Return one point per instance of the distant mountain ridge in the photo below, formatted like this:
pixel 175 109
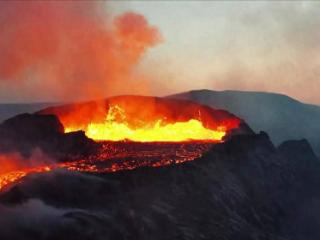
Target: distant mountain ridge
pixel 281 116
pixel 8 110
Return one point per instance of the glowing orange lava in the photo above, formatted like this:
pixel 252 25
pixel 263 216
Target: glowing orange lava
pixel 13 176
pixel 116 128
pixel 162 132
pixel 146 119
pixel 115 156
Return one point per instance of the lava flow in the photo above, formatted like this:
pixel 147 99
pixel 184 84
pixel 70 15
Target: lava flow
pixel 116 156
pixel 146 119
pixel 157 131
pixel 135 131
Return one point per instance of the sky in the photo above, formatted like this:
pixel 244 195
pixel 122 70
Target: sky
pixel 228 45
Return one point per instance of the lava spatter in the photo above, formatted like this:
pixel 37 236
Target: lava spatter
pixel 118 156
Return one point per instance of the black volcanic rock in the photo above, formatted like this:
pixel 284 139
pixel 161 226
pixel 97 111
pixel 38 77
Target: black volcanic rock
pixel 9 110
pixel 245 188
pixel 295 148
pixel 23 133
pixel 30 126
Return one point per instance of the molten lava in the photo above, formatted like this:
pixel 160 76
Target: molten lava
pixel 13 176
pixel 116 156
pixel 161 132
pixel 116 128
pixel 146 119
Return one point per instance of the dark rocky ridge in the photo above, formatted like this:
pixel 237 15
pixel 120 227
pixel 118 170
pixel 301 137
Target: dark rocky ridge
pixel 282 117
pixel 245 188
pixel 26 132
pixel 9 110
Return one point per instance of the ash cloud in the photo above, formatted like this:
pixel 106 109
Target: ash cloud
pixel 67 50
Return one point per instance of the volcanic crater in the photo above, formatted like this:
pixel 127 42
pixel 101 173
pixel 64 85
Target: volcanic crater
pixel 118 133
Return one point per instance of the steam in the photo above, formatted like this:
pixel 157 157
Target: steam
pixel 67 50
pixel 35 219
pixel 17 221
pixel 15 161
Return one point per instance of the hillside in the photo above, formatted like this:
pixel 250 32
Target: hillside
pixel 8 110
pixel 244 189
pixel 281 116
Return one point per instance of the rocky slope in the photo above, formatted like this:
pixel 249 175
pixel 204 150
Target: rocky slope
pixel 280 116
pixel 26 132
pixel 8 110
pixel 245 188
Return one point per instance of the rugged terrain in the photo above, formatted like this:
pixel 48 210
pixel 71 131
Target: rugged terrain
pixel 244 188
pixel 280 116
pixel 8 110
pixel 241 188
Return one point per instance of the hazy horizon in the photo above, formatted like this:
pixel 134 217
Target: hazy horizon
pixel 157 48
pixel 169 94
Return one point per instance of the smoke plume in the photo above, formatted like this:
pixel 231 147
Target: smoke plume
pixel 15 161
pixel 71 50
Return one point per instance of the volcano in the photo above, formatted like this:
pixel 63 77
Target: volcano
pixel 119 133
pixel 243 188
pixel 214 179
pixel 147 119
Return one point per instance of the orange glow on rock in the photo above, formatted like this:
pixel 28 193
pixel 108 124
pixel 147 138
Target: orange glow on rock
pixel 162 132
pixel 116 128
pixel 146 119
pixel 113 157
